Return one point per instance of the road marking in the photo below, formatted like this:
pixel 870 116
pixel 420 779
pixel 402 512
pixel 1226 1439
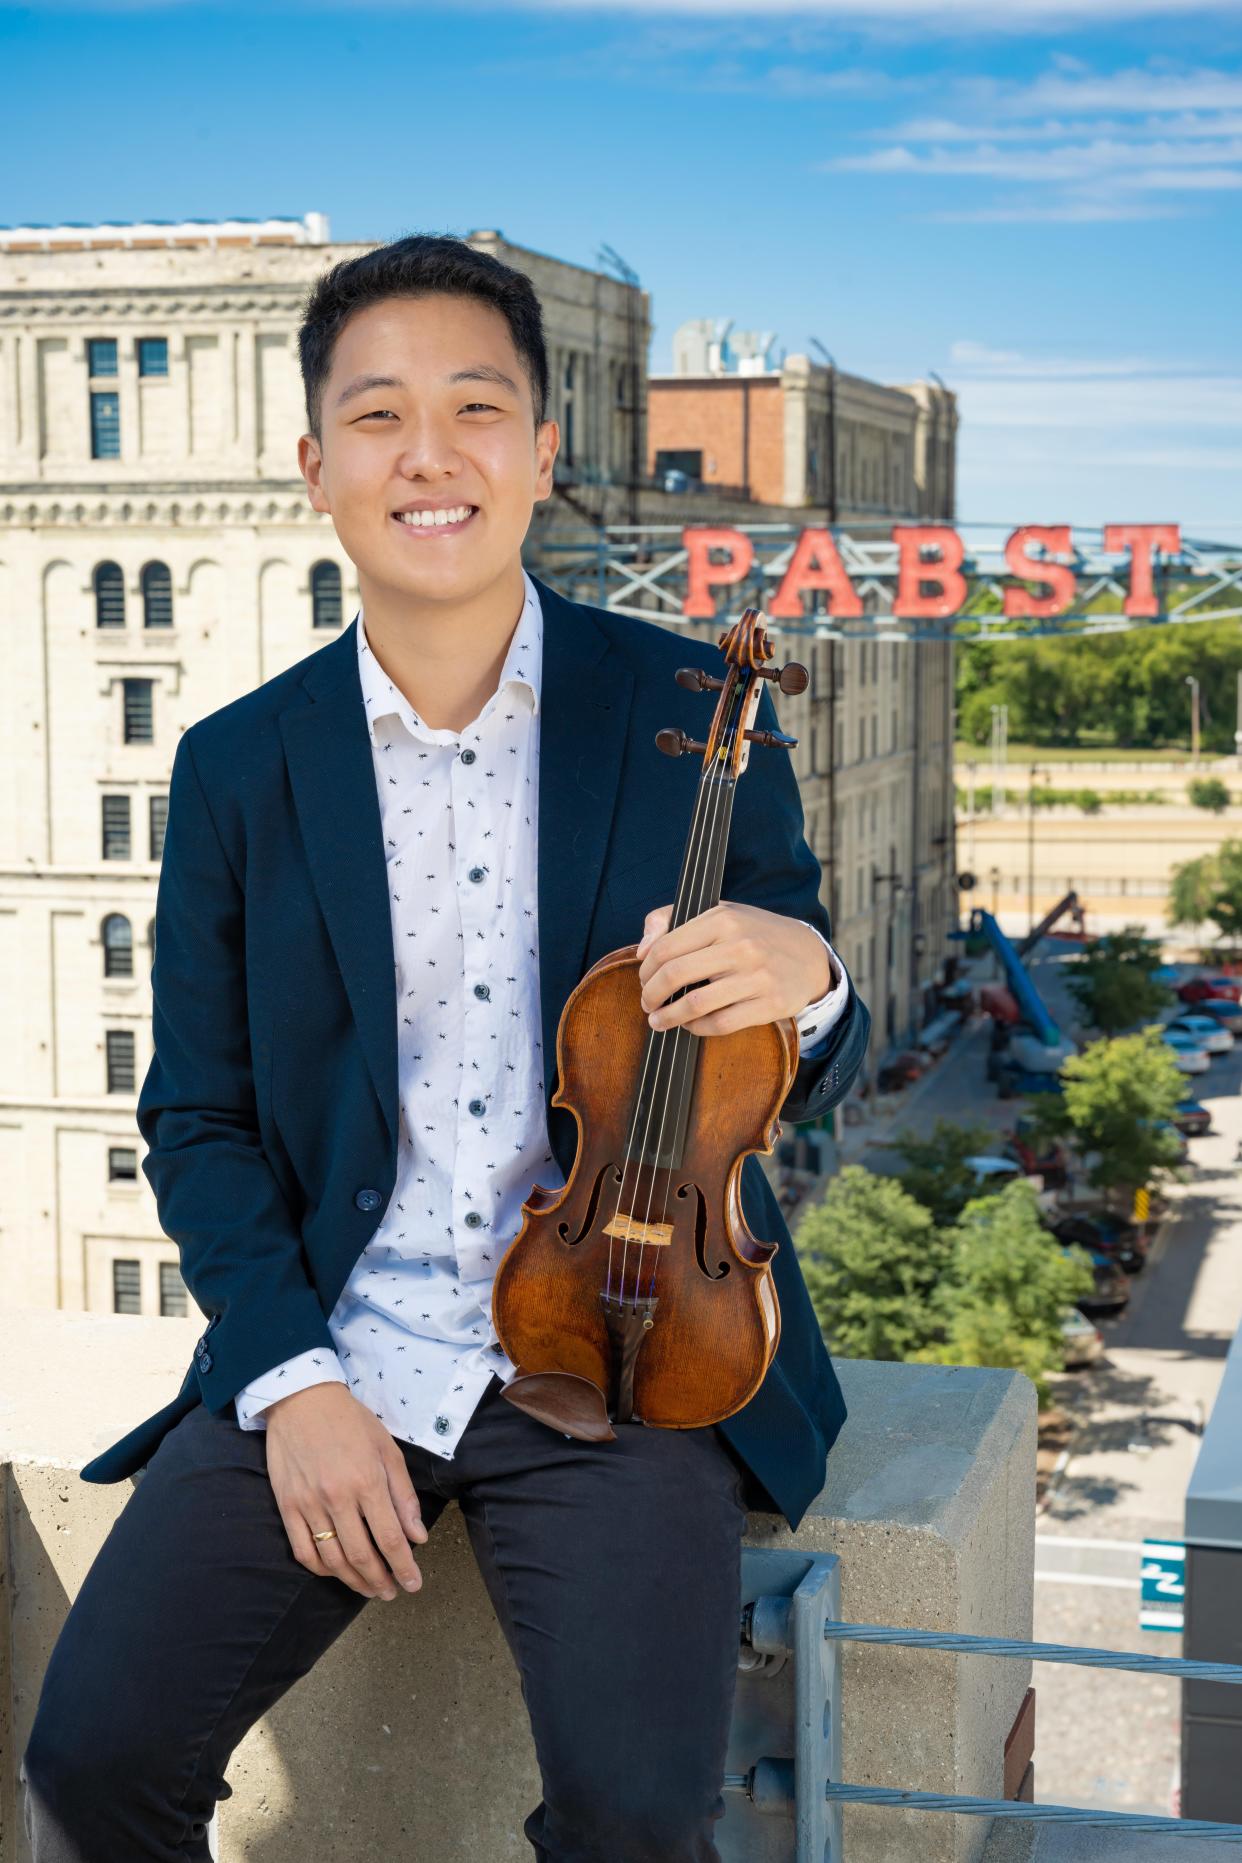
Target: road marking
pixel 1068 1539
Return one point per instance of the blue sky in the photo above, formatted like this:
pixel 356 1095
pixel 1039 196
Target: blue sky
pixel 1039 199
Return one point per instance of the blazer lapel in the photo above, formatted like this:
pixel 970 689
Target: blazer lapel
pixel 585 698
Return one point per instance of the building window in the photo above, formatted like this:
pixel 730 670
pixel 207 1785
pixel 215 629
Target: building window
pixel 174 1301
pixel 109 595
pixel 157 596
pixel 862 739
pixel 157 822
pixel 116 828
pixel 674 459
pixel 118 946
pixel 119 1047
pixel 325 595
pixel 101 355
pixel 151 939
pixel 126 1287
pixel 139 716
pixel 153 355
pixel 122 1164
pixel 875 733
pixel 105 425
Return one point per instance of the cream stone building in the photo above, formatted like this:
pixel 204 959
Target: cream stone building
pixel 158 557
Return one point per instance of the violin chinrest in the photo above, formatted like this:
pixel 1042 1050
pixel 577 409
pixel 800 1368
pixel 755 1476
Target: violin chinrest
pixel 563 1401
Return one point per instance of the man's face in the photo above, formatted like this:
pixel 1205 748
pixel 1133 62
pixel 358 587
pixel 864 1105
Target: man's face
pixel 422 439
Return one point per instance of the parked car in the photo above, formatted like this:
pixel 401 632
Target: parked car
pixel 1101 1235
pixel 1192 1117
pixel 1112 1287
pixel 1191 1056
pixel 1200 987
pixel 1206 1030
pixel 1082 1342
pixel 1011 1080
pixel 1050 1161
pixel 1223 1010
pixel 900 1070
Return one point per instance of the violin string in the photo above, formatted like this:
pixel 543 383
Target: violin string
pixel 702 844
pixel 701 887
pixel 657 1049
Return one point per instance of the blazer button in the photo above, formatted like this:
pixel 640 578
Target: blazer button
pixel 205 1361
pixel 368 1199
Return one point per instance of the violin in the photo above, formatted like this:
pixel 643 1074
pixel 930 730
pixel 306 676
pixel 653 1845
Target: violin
pixel 637 1292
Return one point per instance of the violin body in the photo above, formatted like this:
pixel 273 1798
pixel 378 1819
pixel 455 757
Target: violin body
pixel 637 1292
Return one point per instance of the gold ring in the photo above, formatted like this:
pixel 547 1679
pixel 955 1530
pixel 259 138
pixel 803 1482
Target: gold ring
pixel 329 1534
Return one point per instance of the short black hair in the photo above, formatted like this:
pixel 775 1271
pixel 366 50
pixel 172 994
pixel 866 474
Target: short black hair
pixel 415 267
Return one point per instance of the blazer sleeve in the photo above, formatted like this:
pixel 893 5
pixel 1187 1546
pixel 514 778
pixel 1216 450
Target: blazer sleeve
pixel 768 863
pixel 218 1199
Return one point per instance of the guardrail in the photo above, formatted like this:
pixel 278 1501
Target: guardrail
pixel 785 1805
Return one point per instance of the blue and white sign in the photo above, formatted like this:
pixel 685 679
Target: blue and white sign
pixel 1162 1600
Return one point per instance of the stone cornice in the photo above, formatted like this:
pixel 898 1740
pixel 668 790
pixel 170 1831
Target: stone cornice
pixel 193 506
pixel 273 299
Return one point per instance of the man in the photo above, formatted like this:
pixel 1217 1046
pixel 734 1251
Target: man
pixel 460 798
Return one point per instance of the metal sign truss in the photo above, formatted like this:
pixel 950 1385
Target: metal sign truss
pixel 644 570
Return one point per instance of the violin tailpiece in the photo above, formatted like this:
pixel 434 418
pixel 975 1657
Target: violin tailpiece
pixel 628 1323
pixel 563 1401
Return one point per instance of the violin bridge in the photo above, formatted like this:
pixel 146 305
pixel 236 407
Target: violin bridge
pixel 628 1228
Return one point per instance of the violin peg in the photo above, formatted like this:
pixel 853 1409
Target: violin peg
pixel 695 679
pixel 776 739
pixel 674 742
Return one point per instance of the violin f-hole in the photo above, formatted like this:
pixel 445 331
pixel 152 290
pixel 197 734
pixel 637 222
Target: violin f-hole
pixel 700 1234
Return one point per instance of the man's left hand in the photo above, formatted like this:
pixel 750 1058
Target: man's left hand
pixel 748 966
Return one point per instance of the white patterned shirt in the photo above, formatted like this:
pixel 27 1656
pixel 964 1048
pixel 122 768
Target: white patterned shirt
pixel 412 1327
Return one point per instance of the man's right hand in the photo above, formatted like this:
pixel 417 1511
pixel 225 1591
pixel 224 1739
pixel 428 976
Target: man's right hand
pixel 332 1463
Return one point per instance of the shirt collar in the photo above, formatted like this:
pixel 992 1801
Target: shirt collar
pixel 523 668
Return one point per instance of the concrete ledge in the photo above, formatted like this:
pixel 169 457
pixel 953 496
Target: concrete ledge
pixel 929 1502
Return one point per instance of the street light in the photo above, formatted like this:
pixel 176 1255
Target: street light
pixel 1193 683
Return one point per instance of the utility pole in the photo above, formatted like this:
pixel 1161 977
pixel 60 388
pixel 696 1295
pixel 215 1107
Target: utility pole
pixel 1030 846
pixel 1000 752
pixel 1193 683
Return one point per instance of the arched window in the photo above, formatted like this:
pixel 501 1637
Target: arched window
pixel 157 596
pixel 118 946
pixel 109 595
pixel 325 595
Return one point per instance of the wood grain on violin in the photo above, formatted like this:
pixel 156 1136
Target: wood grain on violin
pixel 637 1292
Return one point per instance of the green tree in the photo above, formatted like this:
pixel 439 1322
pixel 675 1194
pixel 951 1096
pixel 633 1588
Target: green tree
pixel 1116 1093
pixel 1208 792
pixel 1008 1287
pixel 872 1258
pixel 1112 980
pixel 1210 888
pixel 935 1172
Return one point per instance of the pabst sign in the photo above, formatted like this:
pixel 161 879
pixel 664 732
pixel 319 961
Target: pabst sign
pixel 929 583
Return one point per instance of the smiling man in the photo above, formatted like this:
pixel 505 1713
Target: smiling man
pixel 384 871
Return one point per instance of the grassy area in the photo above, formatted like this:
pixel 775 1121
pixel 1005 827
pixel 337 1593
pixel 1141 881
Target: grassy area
pixel 1093 753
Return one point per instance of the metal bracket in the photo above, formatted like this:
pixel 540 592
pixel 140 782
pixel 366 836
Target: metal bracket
pixel 785 1738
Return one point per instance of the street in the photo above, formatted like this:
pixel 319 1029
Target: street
pixel 1104 1738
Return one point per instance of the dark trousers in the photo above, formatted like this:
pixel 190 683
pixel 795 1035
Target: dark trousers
pixel 614 1569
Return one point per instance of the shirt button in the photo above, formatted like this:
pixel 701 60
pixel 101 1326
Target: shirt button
pixel 473 1219
pixel 442 1426
pixel 481 989
pixel 476 874
pixel 478 1107
pixel 367 1199
pixel 467 756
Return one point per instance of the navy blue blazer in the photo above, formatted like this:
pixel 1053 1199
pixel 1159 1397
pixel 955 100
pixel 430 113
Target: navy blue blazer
pixel 271 1102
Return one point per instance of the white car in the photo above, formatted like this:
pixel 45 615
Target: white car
pixel 1187 1051
pixel 1083 1342
pixel 1206 1030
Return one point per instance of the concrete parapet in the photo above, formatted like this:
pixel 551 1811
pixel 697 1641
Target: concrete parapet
pixel 409 1737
